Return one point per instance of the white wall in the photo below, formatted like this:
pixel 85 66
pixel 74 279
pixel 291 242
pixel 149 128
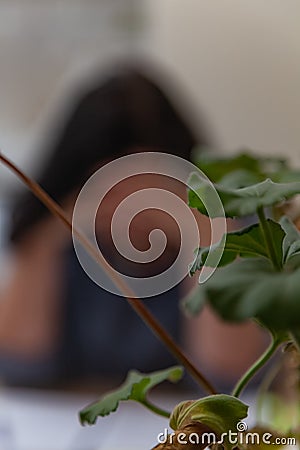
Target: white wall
pixel 45 48
pixel 240 61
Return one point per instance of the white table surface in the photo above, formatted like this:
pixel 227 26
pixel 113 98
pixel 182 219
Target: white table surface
pixel 43 420
pixel 47 420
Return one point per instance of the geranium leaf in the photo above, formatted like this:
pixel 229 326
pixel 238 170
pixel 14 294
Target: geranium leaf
pixel 136 387
pixel 293 255
pixel 219 412
pixel 291 242
pixel 286 176
pixel 216 167
pixel 244 201
pixel 192 304
pixel 245 243
pixel 252 288
pixel 245 168
pixel 240 178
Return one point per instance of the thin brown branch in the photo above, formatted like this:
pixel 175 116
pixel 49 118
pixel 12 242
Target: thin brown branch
pixel 135 303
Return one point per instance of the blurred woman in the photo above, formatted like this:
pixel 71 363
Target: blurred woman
pixel 55 323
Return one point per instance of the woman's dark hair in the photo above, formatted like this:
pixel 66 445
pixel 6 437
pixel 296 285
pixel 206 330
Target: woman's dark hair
pixel 125 111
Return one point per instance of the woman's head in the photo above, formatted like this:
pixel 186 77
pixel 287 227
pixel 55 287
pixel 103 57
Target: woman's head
pixel 125 112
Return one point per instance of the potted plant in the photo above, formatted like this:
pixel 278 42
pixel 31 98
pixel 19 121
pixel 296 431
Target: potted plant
pixel 258 278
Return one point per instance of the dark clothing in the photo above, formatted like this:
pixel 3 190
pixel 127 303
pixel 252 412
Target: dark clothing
pixel 102 337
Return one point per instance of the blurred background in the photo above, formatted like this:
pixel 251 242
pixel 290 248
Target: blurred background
pixel 236 62
pixel 237 65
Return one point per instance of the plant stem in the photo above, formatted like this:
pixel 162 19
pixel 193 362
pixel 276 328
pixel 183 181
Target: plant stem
pixel 259 363
pixel 156 409
pixel 135 303
pixel 268 238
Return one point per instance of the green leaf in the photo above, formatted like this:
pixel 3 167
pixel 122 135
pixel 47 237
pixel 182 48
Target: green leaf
pixel 136 387
pixel 245 168
pixel 193 304
pixel 291 242
pixel 216 167
pixel 252 289
pixel 240 178
pixel 201 257
pixel 286 176
pixel 219 412
pixel 245 243
pixel 241 202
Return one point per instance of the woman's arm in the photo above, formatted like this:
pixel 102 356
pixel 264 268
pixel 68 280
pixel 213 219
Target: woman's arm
pixel 30 303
